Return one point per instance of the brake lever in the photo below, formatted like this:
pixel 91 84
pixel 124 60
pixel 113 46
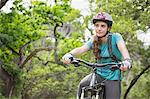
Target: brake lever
pixel 75 62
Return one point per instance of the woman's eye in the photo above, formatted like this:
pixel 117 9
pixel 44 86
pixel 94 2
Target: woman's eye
pixel 96 25
pixel 102 25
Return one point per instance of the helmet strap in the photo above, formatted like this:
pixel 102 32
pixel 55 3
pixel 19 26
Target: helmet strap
pixel 104 35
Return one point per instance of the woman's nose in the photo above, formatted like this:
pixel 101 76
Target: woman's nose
pixel 99 28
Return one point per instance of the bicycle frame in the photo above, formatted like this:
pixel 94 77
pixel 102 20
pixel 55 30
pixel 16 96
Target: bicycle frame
pixel 93 87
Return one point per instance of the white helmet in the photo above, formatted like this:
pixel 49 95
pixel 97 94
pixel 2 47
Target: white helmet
pixel 103 16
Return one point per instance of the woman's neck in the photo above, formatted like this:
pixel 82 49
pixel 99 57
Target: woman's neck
pixel 104 39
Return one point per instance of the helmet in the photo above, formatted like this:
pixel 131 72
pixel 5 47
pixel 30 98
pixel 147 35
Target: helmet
pixel 103 16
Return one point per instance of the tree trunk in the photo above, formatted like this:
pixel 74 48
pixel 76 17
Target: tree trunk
pixel 135 80
pixel 9 87
pixel 2 3
pixel 8 82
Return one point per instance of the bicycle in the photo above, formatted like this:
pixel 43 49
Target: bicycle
pixel 94 90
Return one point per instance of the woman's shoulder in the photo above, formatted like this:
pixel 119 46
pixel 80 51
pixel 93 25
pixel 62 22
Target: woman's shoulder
pixel 117 37
pixel 116 34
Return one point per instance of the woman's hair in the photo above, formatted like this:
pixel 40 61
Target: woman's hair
pixel 96 49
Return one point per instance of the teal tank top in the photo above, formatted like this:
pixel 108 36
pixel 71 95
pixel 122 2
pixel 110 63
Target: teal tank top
pixel 105 72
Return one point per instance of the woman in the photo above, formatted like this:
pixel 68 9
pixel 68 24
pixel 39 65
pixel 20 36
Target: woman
pixel 107 47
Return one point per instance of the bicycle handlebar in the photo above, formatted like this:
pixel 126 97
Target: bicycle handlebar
pixel 77 61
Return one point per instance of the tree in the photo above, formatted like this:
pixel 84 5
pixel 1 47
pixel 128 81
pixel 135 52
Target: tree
pixel 2 3
pixel 20 29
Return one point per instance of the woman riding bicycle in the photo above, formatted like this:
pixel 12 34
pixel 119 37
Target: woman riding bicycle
pixel 107 47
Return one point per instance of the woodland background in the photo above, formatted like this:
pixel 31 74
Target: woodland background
pixel 33 40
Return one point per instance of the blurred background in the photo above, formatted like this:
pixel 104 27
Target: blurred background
pixel 35 34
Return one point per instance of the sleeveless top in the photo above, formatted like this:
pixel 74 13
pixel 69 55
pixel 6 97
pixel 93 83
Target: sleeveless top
pixel 105 72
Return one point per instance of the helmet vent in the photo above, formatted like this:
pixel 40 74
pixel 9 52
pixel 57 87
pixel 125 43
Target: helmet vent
pixel 101 16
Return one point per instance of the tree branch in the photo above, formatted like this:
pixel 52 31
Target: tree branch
pixel 21 50
pixel 45 63
pixel 15 52
pixel 56 41
pixel 2 3
pixel 134 81
pixel 33 53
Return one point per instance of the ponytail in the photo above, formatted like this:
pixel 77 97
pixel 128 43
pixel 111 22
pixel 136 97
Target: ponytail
pixel 96 50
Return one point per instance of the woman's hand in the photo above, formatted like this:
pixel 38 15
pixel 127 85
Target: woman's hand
pixel 126 65
pixel 66 59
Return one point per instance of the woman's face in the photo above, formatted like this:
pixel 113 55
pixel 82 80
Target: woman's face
pixel 101 28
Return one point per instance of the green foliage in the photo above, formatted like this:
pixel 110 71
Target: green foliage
pixel 1 96
pixel 71 16
pixel 12 69
pixel 141 88
pixel 18 30
pixel 38 80
pixel 5 39
pixel 17 74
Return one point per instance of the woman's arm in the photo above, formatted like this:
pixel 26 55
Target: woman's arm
pixel 74 52
pixel 122 47
pixel 79 50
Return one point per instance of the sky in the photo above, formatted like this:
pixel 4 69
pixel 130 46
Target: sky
pixel 82 5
